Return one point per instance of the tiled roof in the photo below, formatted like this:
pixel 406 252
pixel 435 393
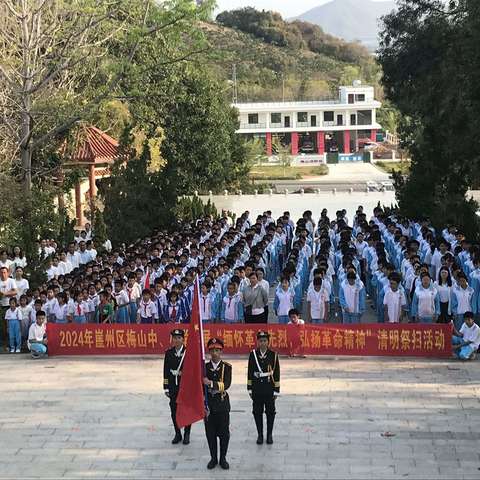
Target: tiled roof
pixel 94 146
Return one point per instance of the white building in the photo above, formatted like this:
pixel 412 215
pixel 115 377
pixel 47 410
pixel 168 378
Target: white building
pixel 314 127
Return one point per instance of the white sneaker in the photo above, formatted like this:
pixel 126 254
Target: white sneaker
pixel 12 350
pixel 17 350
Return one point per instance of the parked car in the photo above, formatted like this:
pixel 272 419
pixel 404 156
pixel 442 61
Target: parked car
pixel 387 187
pixel 373 186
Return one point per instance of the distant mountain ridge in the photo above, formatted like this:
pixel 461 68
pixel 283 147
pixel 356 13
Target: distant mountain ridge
pixel 351 20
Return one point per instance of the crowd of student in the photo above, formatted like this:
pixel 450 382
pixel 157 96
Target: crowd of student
pixel 326 269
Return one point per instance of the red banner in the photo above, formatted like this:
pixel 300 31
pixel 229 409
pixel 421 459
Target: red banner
pixel 372 339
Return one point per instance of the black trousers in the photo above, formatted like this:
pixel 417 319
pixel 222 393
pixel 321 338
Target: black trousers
pixel 444 317
pixel 263 403
pixel 256 318
pixel 217 424
pixel 173 411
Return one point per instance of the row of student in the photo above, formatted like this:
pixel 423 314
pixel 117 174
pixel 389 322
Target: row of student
pixel 152 279
pixel 349 269
pixel 345 263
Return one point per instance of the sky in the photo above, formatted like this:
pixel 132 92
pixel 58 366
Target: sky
pixel 288 8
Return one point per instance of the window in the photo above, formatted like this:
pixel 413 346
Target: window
pixel 276 118
pixel 328 116
pixel 360 97
pixel 302 117
pixel 364 117
pixel 353 119
pixel 313 120
pixel 253 118
pixel 351 98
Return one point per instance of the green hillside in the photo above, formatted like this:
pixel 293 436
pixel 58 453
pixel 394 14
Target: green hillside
pixel 275 59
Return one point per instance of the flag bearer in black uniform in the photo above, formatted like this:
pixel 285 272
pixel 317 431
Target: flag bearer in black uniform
pixel 218 379
pixel 172 371
pixel 263 384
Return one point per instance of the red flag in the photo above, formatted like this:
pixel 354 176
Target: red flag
pixel 190 399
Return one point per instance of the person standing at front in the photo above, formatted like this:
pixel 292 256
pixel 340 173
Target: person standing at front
pixel 172 371
pixel 263 384
pixel 8 289
pixel 217 422
pixel 255 299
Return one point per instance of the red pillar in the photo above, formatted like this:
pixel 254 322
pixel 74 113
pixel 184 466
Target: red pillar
pixel 91 187
pixel 346 141
pixel 78 204
pixel 268 142
pixel 373 136
pixel 321 143
pixel 294 143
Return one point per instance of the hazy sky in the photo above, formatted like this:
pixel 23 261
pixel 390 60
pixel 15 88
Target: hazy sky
pixel 288 8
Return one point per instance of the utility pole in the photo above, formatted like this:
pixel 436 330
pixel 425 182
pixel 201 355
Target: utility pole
pixel 234 82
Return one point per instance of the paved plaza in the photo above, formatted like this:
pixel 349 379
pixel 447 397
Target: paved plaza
pixel 338 417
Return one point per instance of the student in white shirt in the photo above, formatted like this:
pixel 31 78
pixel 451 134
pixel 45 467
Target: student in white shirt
pixel 462 300
pixel 394 301
pixel 19 259
pixel 317 302
pixel 78 310
pixel 53 271
pixel 60 309
pixel 13 318
pixel 121 300
pixel 294 317
pixel 37 341
pixel 92 303
pixel 232 306
pixel 25 317
pixel 134 293
pixel 73 257
pixel 283 302
pixel 64 266
pixel 425 302
pixel 147 310
pixel 22 283
pixel 465 342
pixel 444 288
pixel 5 261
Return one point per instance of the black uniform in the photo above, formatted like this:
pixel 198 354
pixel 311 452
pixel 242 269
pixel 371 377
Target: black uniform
pixel 217 422
pixel 171 382
pixel 263 384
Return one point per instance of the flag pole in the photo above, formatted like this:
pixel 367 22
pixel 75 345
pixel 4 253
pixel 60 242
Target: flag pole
pixel 202 342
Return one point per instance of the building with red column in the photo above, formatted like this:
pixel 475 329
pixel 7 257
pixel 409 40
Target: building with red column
pixel 314 127
pixel 94 152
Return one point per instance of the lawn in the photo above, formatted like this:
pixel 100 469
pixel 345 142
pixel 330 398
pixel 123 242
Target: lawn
pixel 277 172
pixel 389 167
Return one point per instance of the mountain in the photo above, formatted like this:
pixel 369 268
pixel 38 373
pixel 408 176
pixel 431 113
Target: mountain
pixel 353 20
pixel 276 59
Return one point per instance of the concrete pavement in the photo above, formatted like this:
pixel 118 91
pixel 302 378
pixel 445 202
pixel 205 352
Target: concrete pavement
pixel 342 417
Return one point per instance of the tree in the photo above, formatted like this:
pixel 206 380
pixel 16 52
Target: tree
pixel 136 200
pixel 63 60
pixel 431 63
pixel 284 156
pixel 201 149
pixel 99 228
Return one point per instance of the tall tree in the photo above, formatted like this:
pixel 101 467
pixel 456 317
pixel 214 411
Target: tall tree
pixel 431 63
pixel 60 62
pixel 137 200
